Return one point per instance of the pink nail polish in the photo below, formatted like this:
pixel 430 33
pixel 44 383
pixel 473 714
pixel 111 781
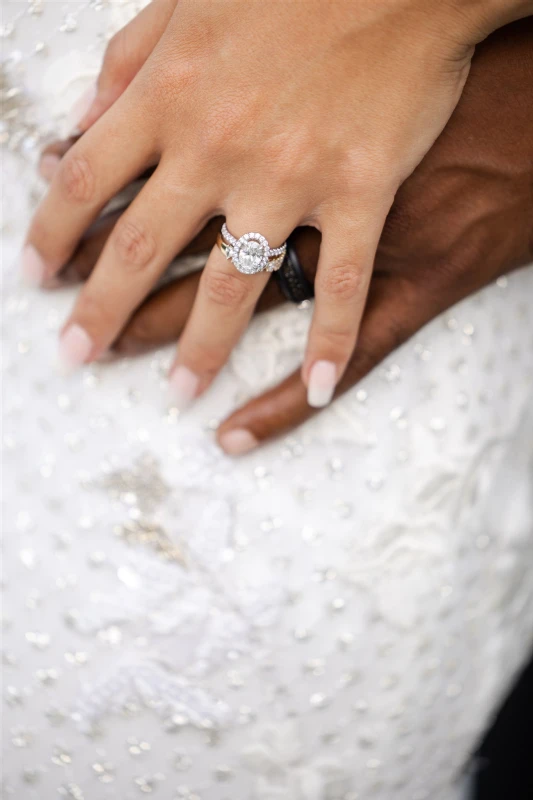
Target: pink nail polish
pixel 183 386
pixel 32 266
pixel 238 442
pixel 81 107
pixel 322 380
pixel 48 165
pixel 75 347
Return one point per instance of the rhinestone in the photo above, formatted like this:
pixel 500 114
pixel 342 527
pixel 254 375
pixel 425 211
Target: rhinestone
pixel 301 634
pixel 318 700
pixel 338 604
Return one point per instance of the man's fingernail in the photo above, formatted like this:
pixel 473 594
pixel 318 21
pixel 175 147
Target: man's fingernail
pixel 183 386
pixel 48 165
pixel 322 380
pixel 238 442
pixel 75 346
pixel 81 107
pixel 32 266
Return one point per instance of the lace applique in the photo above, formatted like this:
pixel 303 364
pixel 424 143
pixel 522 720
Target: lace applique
pixel 148 685
pixel 200 603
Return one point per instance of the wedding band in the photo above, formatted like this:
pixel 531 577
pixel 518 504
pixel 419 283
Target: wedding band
pixel 251 253
pixel 291 278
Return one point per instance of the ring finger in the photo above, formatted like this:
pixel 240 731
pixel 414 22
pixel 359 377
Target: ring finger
pixel 224 304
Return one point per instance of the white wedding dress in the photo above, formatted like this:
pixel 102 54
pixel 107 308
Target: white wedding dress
pixel 334 617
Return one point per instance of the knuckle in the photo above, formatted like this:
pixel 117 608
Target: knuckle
pixel 134 244
pixel 225 289
pixel 342 281
pixel 77 178
pixel 169 78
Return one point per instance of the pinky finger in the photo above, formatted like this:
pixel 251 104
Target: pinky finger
pixel 344 271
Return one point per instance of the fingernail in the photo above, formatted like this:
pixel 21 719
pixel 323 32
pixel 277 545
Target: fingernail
pixel 75 346
pixel 32 265
pixel 48 165
pixel 322 380
pixel 183 386
pixel 238 442
pixel 81 107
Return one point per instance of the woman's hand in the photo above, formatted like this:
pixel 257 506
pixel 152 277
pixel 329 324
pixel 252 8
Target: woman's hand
pixel 275 115
pixel 462 219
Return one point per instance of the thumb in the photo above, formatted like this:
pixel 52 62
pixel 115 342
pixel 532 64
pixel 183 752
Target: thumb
pixel 126 53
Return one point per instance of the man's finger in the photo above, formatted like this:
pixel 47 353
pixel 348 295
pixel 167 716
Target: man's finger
pixel 394 312
pixel 161 318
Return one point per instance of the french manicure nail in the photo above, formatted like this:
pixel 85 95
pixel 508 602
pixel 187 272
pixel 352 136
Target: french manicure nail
pixel 75 346
pixel 238 442
pixel 48 165
pixel 32 265
pixel 183 386
pixel 322 380
pixel 81 107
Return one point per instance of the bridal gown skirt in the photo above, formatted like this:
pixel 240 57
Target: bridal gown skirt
pixel 334 617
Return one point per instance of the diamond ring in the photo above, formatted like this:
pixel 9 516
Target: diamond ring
pixel 251 253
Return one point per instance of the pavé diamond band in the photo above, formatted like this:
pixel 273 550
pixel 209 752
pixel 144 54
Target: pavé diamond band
pixel 251 253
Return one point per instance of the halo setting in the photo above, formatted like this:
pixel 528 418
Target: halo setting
pixel 251 253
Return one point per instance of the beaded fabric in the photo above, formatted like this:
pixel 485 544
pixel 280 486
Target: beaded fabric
pixel 333 617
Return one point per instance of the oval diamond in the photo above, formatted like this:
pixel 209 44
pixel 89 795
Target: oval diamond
pixel 251 252
pixel 251 255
